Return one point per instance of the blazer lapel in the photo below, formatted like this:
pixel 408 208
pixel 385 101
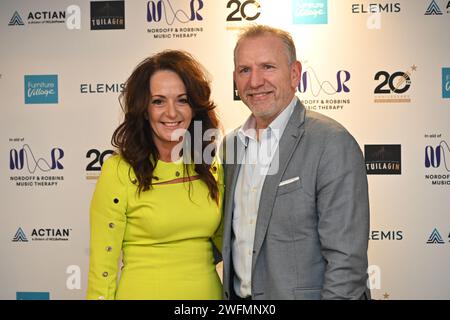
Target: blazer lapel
pixel 232 163
pixel 288 143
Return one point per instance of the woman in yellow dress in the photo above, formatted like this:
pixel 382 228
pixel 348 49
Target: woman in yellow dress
pixel 157 204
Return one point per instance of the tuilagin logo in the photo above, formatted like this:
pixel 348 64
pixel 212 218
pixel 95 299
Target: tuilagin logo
pixel 107 15
pixel 29 170
pixel 437 160
pixel 383 158
pixel 41 89
pixel 310 11
pixel 95 164
pixel 385 7
pixel 320 94
pixel 393 86
pixel 43 234
pixel 445 83
pixel 242 13
pixel 71 16
pixel 89 88
pixel 171 19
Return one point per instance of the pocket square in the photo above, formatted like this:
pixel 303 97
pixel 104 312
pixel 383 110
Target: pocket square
pixel 282 183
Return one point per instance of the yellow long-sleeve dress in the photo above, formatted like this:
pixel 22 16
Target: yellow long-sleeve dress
pixel 165 236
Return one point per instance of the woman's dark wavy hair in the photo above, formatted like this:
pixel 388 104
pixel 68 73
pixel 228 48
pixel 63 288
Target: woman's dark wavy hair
pixel 134 137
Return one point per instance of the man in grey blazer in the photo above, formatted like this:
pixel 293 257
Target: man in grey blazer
pixel 296 210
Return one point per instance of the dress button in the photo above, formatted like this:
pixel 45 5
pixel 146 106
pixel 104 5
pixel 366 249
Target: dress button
pixel 116 200
pixel 177 173
pixel 214 169
pixel 111 225
pixel 108 248
pixel 101 298
pixel 105 274
pixel 133 181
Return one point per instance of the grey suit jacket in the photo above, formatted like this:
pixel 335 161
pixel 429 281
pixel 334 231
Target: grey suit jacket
pixel 311 234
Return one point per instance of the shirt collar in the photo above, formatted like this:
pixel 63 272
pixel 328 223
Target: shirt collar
pixel 247 130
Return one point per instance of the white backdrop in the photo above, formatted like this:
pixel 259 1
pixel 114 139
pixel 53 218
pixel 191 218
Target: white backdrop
pixel 60 80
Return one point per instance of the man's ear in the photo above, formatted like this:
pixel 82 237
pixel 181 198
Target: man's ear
pixel 296 71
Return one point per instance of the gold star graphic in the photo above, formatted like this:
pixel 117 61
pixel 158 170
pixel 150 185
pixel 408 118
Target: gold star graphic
pixel 386 296
pixel 413 67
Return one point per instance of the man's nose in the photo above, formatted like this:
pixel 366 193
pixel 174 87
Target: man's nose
pixel 256 79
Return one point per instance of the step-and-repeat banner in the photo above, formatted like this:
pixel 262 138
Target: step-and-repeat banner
pixel 381 68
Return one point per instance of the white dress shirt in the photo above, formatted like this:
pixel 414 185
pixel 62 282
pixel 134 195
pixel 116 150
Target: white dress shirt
pixel 261 158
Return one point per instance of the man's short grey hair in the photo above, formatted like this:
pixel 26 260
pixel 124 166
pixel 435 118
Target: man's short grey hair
pixel 258 30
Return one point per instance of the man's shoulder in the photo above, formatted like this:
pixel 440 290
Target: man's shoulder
pixel 319 123
pixel 323 130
